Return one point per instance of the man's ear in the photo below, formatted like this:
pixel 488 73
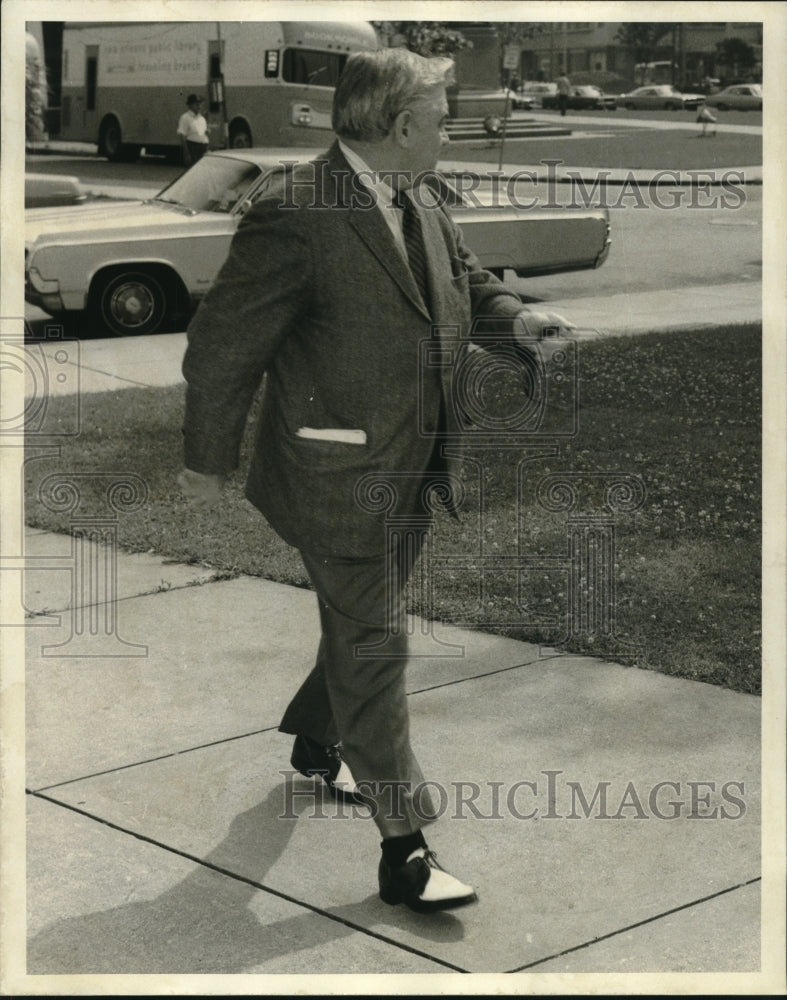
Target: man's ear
pixel 402 126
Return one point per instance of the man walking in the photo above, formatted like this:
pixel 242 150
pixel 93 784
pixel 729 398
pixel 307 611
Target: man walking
pixel 330 287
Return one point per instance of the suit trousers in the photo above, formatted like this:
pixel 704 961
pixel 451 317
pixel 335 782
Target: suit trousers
pixel 356 692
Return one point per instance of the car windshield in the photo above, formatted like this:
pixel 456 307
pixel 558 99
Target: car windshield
pixel 214 184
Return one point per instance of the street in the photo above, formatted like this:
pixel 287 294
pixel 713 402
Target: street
pixel 665 238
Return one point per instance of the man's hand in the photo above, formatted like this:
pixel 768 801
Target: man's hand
pixel 541 325
pixel 200 489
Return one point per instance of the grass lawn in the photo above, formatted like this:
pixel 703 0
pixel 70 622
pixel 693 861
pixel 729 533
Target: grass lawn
pixel 680 411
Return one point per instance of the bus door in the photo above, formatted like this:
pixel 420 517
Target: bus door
pixel 89 103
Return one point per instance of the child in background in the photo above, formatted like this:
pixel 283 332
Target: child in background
pixel 706 118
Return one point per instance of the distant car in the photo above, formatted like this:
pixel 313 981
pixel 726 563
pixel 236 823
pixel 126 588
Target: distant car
pixel 45 190
pixel 583 98
pixel 534 93
pixel 519 102
pixel 739 97
pixel 662 96
pixel 139 266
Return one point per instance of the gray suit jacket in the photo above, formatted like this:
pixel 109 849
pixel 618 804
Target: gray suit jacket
pixel 317 295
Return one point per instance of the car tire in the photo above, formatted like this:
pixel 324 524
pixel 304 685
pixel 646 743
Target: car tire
pixel 240 137
pixel 722 107
pixel 629 106
pixel 130 302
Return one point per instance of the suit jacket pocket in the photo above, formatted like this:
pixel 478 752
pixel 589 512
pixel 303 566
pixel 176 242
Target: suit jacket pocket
pixel 324 455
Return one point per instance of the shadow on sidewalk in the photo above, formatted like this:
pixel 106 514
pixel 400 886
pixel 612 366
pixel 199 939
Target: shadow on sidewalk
pixel 215 922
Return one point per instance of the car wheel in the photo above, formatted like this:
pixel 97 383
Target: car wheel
pixel 240 137
pixel 130 303
pixel 722 107
pixel 629 106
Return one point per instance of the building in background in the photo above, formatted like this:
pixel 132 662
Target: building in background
pixel 688 54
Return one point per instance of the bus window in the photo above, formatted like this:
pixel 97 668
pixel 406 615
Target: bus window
pixel 322 69
pixel 91 78
pixel 215 85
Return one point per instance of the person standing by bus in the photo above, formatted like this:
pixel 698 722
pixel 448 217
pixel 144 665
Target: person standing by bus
pixel 193 131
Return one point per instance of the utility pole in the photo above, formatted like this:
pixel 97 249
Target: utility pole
pixel 682 52
pixel 225 132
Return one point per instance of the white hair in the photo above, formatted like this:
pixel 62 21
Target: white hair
pixel 376 86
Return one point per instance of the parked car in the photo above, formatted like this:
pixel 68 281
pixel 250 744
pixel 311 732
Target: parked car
pixel 519 102
pixel 739 97
pixel 534 93
pixel 583 98
pixel 661 96
pixel 138 266
pixel 44 190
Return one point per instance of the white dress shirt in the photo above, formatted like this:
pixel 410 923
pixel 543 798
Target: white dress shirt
pixel 382 193
pixel 193 127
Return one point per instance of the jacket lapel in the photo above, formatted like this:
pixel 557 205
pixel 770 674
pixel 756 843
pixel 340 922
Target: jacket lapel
pixel 372 228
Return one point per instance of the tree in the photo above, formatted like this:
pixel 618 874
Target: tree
pixel 427 38
pixel 736 54
pixel 642 38
pixel 35 91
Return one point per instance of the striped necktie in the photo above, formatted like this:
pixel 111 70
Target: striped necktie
pixel 414 243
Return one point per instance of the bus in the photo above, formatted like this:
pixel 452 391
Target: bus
pixel 264 83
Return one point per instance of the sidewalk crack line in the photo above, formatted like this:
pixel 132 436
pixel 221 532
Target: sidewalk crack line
pixel 639 923
pixel 252 883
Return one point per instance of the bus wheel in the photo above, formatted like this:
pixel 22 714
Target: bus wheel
pixel 110 139
pixel 111 145
pixel 129 303
pixel 240 137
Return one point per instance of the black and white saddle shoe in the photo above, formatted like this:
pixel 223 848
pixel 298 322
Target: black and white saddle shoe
pixel 422 884
pixel 314 760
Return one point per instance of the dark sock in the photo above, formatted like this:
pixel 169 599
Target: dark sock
pixel 396 850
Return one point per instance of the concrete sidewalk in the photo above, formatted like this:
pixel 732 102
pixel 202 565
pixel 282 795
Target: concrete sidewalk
pixel 609 817
pixel 167 834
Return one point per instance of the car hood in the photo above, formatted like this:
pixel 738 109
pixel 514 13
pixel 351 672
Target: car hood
pixel 97 220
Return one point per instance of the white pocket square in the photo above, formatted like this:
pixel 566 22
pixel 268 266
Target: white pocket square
pixel 342 434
